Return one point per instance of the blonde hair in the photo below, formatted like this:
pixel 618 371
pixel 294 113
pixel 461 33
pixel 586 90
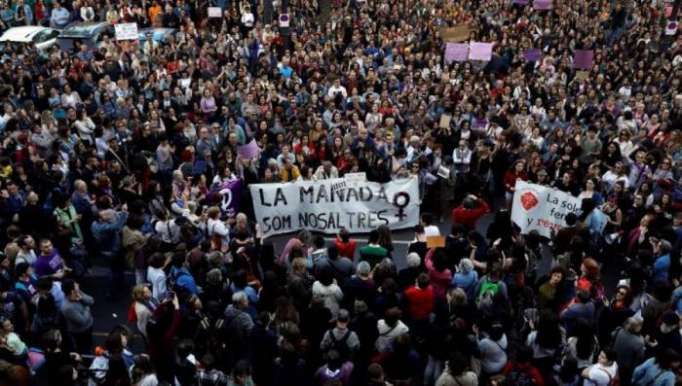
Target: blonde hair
pixel 298 264
pixel 138 292
pixel 11 250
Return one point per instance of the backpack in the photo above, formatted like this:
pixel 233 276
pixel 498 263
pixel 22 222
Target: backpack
pixel 340 345
pixel 487 293
pixel 173 281
pixel 518 377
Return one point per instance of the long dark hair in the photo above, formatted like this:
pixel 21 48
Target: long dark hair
pixel 117 374
pixel 549 331
pixel 584 347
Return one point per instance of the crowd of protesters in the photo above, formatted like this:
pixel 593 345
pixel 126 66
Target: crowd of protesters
pixel 113 157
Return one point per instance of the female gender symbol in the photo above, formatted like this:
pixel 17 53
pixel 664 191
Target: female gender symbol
pixel 401 200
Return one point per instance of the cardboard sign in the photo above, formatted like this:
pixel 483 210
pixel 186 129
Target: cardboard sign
pixel 582 75
pixel 480 51
pixel 456 34
pixel 445 121
pixel 435 242
pixel 215 12
pixel 456 52
pixel 126 31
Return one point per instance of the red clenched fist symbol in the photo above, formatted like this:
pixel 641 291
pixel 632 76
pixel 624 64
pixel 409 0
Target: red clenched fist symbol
pixel 528 200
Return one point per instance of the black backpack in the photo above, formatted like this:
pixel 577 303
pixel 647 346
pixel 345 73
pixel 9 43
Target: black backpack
pixel 340 345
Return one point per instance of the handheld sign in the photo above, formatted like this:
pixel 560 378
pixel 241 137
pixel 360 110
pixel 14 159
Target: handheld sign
pixel 435 242
pixel 126 31
pixel 284 20
pixel 215 12
pixel 539 208
pixel 456 52
pixel 455 34
pixel 480 51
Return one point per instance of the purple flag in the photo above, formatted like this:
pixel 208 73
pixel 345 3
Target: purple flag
pixel 456 52
pixel 583 59
pixel 480 51
pixel 533 55
pixel 520 2
pixel 542 5
pixel 230 193
pixel 250 150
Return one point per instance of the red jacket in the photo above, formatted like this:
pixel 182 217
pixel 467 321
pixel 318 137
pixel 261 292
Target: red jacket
pixel 468 217
pixel 346 249
pixel 419 302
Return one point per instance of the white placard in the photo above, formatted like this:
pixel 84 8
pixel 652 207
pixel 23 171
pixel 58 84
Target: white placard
pixel 284 20
pixel 443 172
pixel 671 27
pixel 329 205
pixel 215 12
pixel 356 177
pixel 540 208
pixel 126 31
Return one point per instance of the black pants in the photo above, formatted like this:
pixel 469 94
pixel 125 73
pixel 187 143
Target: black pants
pixel 82 341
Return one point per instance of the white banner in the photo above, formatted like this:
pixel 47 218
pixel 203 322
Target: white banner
pixel 540 208
pixel 329 205
pixel 126 31
pixel 215 12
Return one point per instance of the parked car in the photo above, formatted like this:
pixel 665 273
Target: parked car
pixel 159 35
pixel 41 38
pixel 89 33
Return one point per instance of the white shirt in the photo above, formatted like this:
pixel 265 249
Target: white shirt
pixel 28 257
pixel 431 230
pixel 157 278
pixel 168 230
pixel 600 375
pixel 610 178
pixel 217 227
pixel 333 90
pixel 247 19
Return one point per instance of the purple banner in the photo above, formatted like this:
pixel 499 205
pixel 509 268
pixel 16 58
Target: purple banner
pixel 230 194
pixel 533 55
pixel 250 150
pixel 542 5
pixel 480 51
pixel 456 52
pixel 583 59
